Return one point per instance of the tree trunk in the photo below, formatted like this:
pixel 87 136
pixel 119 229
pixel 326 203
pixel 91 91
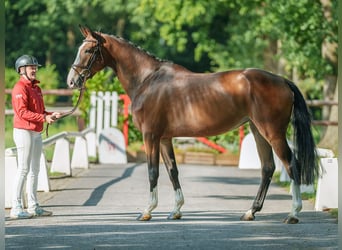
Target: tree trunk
pixel 330 138
pixel 329 52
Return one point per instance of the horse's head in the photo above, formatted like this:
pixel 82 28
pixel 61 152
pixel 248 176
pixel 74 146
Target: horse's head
pixel 89 59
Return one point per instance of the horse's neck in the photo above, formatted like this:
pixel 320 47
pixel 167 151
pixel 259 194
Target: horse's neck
pixel 131 65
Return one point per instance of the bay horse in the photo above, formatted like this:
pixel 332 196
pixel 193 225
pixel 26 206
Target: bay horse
pixel 168 100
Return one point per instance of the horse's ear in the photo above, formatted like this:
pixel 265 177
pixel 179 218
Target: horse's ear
pixel 98 37
pixel 84 30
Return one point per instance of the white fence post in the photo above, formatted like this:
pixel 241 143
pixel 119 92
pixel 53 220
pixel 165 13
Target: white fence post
pixel 80 154
pixel 10 173
pixel 112 148
pixel 106 110
pixel 11 168
pixel 43 177
pixel 61 157
pixel 99 113
pixel 114 100
pixel 92 111
pixel 91 144
pixel 327 186
pixel 249 158
pixel 103 115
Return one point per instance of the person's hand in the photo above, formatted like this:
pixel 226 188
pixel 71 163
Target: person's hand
pixel 57 115
pixel 50 119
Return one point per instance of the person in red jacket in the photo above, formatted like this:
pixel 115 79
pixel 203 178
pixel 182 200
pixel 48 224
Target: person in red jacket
pixel 28 123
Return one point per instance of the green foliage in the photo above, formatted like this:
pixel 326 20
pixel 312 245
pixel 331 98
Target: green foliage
pixel 200 35
pixel 106 81
pixel 102 81
pixel 49 79
pixel 230 140
pixel 9 131
pixel 11 77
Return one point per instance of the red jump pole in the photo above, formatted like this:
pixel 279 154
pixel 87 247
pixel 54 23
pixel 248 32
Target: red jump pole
pixel 241 135
pixel 127 102
pixel 211 144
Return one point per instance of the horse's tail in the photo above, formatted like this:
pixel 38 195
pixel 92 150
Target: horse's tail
pixel 304 145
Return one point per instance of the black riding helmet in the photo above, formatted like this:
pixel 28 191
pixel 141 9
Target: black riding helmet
pixel 26 60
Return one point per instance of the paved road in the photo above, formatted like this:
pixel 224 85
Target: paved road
pixel 97 208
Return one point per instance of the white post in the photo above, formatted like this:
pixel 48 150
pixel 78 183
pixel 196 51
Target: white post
pixel 80 154
pixel 43 177
pixel 10 173
pixel 61 157
pixel 114 100
pixel 327 185
pixel 99 110
pixel 112 147
pixel 103 114
pixel 106 111
pixel 91 144
pixel 92 111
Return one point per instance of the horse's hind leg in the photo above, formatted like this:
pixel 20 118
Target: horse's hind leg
pixel 284 153
pixel 267 166
pixel 168 155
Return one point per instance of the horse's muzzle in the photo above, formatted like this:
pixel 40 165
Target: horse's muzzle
pixel 74 80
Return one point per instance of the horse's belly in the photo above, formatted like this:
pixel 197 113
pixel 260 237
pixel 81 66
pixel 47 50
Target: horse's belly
pixel 192 126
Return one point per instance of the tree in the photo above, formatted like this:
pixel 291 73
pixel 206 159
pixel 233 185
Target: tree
pixel 330 138
pixel 294 38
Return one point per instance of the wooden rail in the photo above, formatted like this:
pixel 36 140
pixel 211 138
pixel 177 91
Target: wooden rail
pixel 69 92
pixel 59 92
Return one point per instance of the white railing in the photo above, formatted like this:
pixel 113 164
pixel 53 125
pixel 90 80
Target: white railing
pixel 102 139
pixel 103 118
pixel 60 162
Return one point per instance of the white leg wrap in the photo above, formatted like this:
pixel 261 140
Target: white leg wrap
pixel 296 199
pixel 179 200
pixel 153 201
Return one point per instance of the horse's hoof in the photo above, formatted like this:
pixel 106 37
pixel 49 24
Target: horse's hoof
pixel 248 216
pixel 174 216
pixel 144 217
pixel 291 220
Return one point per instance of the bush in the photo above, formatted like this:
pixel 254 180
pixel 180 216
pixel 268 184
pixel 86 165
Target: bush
pixel 105 80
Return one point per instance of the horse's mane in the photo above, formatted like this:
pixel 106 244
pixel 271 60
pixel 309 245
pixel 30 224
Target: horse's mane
pixel 137 47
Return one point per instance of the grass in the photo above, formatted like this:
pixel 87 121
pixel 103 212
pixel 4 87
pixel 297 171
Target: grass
pixel 334 213
pixel 67 124
pixel 56 174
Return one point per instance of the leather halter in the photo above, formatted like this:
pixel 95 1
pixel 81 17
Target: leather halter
pixel 84 75
pixel 86 69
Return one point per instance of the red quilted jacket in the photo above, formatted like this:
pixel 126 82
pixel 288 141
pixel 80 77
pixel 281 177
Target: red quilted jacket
pixel 28 105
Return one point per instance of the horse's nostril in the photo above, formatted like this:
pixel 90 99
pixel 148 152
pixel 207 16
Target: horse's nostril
pixel 71 84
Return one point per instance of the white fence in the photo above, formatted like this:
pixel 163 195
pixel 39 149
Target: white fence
pixel 60 162
pixel 103 118
pixel 327 187
pixel 103 111
pixel 101 140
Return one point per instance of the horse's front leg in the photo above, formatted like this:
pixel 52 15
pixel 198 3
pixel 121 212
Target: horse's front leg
pixel 171 166
pixel 152 155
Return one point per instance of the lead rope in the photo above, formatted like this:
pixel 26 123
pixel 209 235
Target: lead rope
pixel 69 112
